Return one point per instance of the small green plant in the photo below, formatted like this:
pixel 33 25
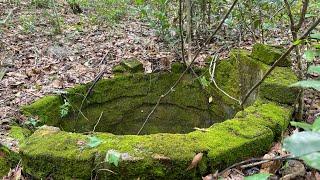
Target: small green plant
pixel 41 3
pixel 31 122
pixel 305 145
pixel 28 23
pixel 64 109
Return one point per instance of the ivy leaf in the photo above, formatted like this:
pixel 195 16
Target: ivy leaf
pixel 313 160
pixel 315 36
pixel 309 55
pixel 113 157
pixel 303 125
pixel 260 176
pixel 302 143
pixel 315 84
pixel 316 125
pixel 314 69
pixel 94 141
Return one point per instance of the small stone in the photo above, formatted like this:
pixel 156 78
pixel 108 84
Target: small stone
pixel 132 65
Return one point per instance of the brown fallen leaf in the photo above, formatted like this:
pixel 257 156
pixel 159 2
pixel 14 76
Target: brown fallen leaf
pixel 271 166
pixel 195 161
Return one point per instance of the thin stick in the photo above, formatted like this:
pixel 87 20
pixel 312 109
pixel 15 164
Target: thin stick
pixel 283 56
pixel 211 72
pixel 254 160
pixel 8 16
pixel 189 66
pixel 94 128
pixel 96 79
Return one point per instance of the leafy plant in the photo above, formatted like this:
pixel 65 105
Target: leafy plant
pixel 28 23
pixel 31 122
pixel 41 3
pixel 305 145
pixel 94 141
pixel 64 109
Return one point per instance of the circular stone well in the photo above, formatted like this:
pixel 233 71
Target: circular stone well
pixel 116 109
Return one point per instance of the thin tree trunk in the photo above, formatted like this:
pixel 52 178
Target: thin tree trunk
pixel 189 30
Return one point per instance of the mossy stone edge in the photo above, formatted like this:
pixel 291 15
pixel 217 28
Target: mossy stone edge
pixel 65 155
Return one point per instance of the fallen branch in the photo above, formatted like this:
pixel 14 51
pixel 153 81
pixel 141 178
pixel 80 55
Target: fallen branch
pixel 283 56
pixel 189 66
pixel 255 160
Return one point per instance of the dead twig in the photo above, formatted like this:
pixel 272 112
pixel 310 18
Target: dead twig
pixel 255 160
pixel 94 128
pixel 189 66
pixel 283 56
pixel 96 79
pixel 8 16
pixel 212 68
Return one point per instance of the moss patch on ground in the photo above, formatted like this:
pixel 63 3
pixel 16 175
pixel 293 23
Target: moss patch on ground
pixel 160 156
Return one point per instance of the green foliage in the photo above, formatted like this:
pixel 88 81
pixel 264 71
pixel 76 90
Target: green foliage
pixel 41 3
pixel 314 84
pixel 260 176
pixel 28 23
pixel 64 108
pixel 94 141
pixel 305 145
pixel 32 122
pixel 113 157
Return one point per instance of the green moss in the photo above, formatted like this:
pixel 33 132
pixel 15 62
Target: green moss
pixel 62 156
pixel 8 159
pixel 4 167
pixel 132 65
pixel 269 54
pixel 157 156
pixel 47 109
pixel 126 101
pixel 177 67
pixel 118 69
pixel 19 133
pixel 277 86
pixel 238 74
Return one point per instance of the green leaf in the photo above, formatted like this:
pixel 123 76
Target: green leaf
pixel 313 160
pixel 113 157
pixel 204 82
pixel 309 55
pixel 315 84
pixel 314 69
pixel 316 125
pixel 302 143
pixel 260 176
pixel 315 36
pixel 305 126
pixel 94 141
pixel 297 42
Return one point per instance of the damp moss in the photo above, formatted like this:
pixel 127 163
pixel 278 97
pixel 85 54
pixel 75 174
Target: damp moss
pixel 8 159
pixel 62 157
pixel 132 65
pixel 158 155
pixel 126 101
pixel 268 54
pixel 277 86
pixel 19 133
pixel 4 167
pixel 238 74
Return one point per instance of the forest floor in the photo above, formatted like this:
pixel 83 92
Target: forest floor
pixel 36 62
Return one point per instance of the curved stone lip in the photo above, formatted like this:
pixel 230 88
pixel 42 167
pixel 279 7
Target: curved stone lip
pixel 161 155
pixel 66 155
